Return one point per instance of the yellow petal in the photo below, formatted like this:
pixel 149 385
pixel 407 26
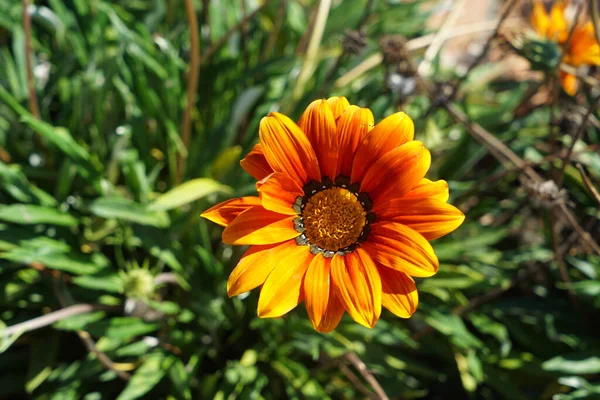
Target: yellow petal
pixel 352 127
pixel 431 218
pixel 568 83
pixel 338 105
pixel 539 18
pixel 225 212
pixel 255 266
pixel 278 193
pixel 287 148
pixel 428 189
pixel 333 314
pixel 396 246
pixel 318 123
pixel 357 280
pixel 316 289
pixel 259 226
pixel 400 294
pixel 282 290
pixel 397 172
pixel 387 135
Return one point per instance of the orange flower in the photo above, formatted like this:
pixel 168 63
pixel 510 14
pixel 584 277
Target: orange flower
pixel 583 48
pixel 343 216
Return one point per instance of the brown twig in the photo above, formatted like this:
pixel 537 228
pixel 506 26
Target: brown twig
pixel 575 138
pixel 588 183
pixel 364 371
pixel 192 86
pixel 33 101
pixel 354 379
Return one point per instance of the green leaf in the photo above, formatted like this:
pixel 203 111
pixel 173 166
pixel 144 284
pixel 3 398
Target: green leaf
pixel 188 192
pixel 121 328
pixel 147 376
pixel 575 364
pixel 27 214
pixel 180 379
pixel 127 210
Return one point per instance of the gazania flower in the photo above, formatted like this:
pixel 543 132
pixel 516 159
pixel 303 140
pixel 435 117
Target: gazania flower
pixel 583 48
pixel 343 216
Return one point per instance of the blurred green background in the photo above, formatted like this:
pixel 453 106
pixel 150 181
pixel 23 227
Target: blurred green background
pixel 84 218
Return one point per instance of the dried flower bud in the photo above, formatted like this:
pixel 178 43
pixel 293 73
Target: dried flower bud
pixel 353 41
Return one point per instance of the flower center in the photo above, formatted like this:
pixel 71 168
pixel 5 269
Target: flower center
pixel 333 219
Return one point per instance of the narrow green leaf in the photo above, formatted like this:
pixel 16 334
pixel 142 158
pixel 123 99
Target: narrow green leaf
pixel 188 192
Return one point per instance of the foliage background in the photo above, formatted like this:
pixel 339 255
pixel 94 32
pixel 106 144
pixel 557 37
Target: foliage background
pixel 83 221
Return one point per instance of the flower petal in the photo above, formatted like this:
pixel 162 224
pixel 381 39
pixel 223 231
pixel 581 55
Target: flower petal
pixel 225 212
pixel 259 226
pixel 558 28
pixel 282 290
pixel 338 105
pixel 396 246
pixel 352 127
pixel 388 134
pixel 287 149
pixel 431 218
pixel 357 280
pixel 318 123
pixel 256 164
pixel 316 289
pixel 397 172
pixel 428 189
pixel 400 294
pixel 255 266
pixel 278 193
pixel 333 314
pixel 539 18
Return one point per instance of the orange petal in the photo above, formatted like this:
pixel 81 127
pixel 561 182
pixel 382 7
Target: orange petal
pixel 316 289
pixel 399 247
pixel 318 123
pixel 255 266
pixel 569 83
pixel 397 172
pixel 333 314
pixel 225 212
pixel 558 28
pixel 282 290
pixel 539 18
pixel 431 218
pixel 287 148
pixel 278 193
pixel 428 189
pixel 357 280
pixel 400 294
pixel 338 105
pixel 256 164
pixel 388 134
pixel 259 226
pixel 352 127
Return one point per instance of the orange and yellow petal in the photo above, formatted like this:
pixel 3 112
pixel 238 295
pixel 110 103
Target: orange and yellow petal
pixel 357 280
pixel 259 226
pixel 287 149
pixel 429 189
pixel 256 164
pixel 352 127
pixel 225 212
pixel 255 266
pixel 390 133
pixel 399 292
pixel 397 172
pixel 539 18
pixel 333 314
pixel 278 193
pixel 397 246
pixel 429 217
pixel 568 83
pixel 318 123
pixel 558 28
pixel 338 105
pixel 583 48
pixel 316 289
pixel 282 291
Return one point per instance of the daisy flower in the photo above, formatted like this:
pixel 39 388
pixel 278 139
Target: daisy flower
pixel 583 48
pixel 343 217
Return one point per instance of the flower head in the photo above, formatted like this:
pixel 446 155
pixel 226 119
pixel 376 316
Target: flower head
pixel 343 216
pixel 583 47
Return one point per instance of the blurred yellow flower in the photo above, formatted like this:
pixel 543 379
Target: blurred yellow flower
pixel 583 48
pixel 343 217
